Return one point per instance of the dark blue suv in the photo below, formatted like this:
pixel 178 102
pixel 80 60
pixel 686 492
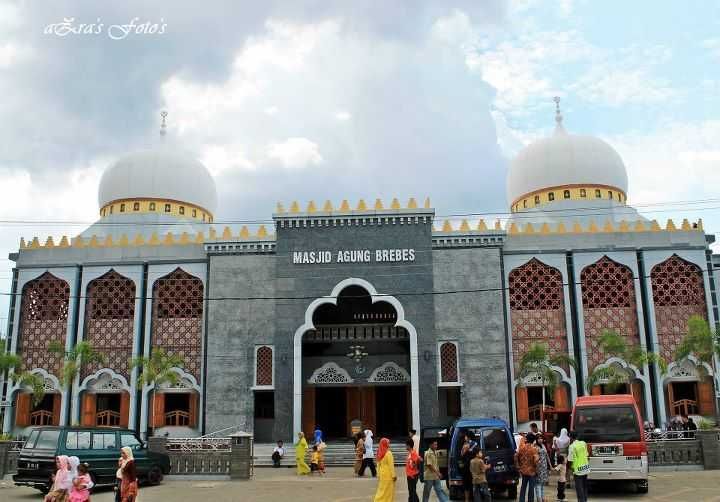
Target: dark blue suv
pixel 497 442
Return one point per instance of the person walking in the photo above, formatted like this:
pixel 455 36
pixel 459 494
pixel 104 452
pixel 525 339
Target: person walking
pixel 359 452
pixel 386 473
pixel 561 468
pixel 526 461
pixel 467 452
pixel 560 444
pixel 300 450
pixel 543 469
pixel 277 454
pixel 478 465
pixel 412 470
pixel 432 475
pixel 368 456
pixel 415 439
pixel 317 435
pixel 129 485
pixel 578 457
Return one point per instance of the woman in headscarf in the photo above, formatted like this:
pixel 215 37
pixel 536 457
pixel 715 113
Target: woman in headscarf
pixel 62 481
pixel 129 484
pixel 73 463
pixel 300 450
pixel 386 473
pixel 560 444
pixel 368 457
pixel 359 451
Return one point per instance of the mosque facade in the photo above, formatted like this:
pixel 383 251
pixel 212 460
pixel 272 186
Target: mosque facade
pixel 371 311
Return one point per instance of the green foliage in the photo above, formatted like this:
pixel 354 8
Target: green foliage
pixel 36 384
pixel 83 353
pixel 700 341
pixel 705 425
pixel 158 368
pixel 10 362
pixel 6 437
pixel 613 344
pixel 538 361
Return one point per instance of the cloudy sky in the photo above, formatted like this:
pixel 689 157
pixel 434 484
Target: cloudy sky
pixel 320 99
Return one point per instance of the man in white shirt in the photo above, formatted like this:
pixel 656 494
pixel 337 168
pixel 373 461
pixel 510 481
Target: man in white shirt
pixel 415 439
pixel 277 454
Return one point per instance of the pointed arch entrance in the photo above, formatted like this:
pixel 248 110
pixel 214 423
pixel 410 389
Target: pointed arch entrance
pixel 321 314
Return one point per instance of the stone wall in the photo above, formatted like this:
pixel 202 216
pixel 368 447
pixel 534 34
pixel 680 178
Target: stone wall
pixel 235 326
pixel 475 320
pixel 675 453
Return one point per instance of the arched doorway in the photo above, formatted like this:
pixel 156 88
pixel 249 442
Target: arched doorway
pixel 355 359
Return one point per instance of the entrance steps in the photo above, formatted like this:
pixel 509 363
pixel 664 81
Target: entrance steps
pixel 337 453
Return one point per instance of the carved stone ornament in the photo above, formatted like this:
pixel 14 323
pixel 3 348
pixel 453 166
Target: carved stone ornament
pixel 106 383
pixel 389 372
pixel 330 373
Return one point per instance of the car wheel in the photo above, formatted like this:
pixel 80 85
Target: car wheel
pixel 642 487
pixel 512 492
pixel 155 475
pixel 93 478
pixel 44 489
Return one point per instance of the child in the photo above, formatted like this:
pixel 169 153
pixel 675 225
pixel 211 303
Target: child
pixel 321 456
pixel 561 467
pixel 315 460
pixel 478 466
pixel 81 484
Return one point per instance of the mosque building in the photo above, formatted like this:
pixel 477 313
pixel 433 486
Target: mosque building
pixel 365 312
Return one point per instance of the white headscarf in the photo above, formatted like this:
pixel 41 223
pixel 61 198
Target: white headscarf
pixel 73 462
pixel 128 452
pixel 368 444
pixel 563 440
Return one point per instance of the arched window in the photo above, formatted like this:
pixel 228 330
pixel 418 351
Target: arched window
pixel 182 210
pixel 583 192
pixel 610 194
pixel 111 209
pixel 194 213
pixel 264 366
pixel 152 206
pixel 177 317
pixel 551 196
pixel 109 321
pixel 167 208
pixel 537 199
pixel 136 206
pixel 678 293
pixel 597 193
pixel 566 194
pixel 524 203
pixel 122 208
pixel 448 356
pixel 608 296
pixel 43 319
pixel 537 311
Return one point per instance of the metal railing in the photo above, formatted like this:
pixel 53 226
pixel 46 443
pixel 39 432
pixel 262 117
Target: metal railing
pixel 16 445
pixel 651 436
pixel 198 444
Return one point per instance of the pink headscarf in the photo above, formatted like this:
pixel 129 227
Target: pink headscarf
pixel 63 481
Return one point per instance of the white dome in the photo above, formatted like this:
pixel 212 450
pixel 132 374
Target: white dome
pixel 565 159
pixel 159 174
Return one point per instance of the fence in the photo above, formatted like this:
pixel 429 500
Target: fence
pixel 680 452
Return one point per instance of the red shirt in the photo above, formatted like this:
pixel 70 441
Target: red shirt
pixel 411 464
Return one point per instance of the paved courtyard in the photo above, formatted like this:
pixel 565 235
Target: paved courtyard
pixel 339 486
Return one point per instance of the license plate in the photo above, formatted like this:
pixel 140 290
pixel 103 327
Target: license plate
pixel 32 465
pixel 606 450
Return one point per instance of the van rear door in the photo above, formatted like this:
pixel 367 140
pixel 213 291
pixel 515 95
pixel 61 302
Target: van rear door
pixel 497 446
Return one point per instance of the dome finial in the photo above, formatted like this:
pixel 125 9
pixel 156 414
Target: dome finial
pixel 558 116
pixel 163 125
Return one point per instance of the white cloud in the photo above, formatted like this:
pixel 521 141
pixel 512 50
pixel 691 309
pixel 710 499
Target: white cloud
pixel 620 86
pixel 295 152
pixel 343 115
pixel 712 45
pixel 12 53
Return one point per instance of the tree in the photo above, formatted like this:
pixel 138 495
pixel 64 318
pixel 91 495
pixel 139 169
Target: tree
pixel 12 364
pixel 701 341
pixel 158 368
pixel 613 344
pixel 538 362
pixel 83 353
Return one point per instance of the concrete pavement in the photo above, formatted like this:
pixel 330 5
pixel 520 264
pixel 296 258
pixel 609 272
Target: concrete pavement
pixel 340 486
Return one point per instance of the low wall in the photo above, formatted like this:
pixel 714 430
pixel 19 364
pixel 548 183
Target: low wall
pixel 200 463
pixel 681 453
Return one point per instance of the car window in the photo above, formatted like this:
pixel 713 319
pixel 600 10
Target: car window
pixel 30 443
pixel 129 440
pixel 103 440
pixel 496 439
pixel 77 440
pixel 48 440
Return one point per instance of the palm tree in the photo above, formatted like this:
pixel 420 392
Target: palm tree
pixel 158 368
pixel 539 363
pixel 613 344
pixel 83 353
pixel 701 341
pixel 13 363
